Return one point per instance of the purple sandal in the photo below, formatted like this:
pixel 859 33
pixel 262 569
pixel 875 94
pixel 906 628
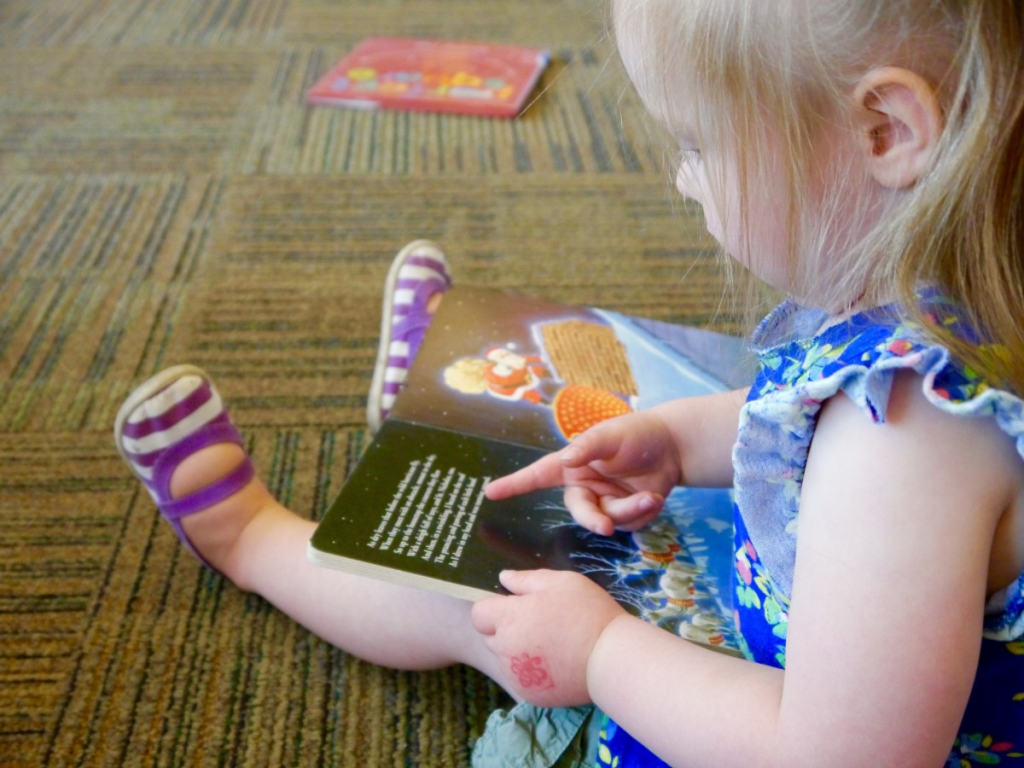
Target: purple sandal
pixel 418 272
pixel 167 419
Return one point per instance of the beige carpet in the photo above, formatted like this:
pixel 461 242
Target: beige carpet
pixel 166 196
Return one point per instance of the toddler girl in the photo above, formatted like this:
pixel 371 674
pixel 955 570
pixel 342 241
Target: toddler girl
pixel 864 157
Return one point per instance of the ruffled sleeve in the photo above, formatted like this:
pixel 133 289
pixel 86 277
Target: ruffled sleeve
pixel 860 359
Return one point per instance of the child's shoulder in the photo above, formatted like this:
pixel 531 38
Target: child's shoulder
pixel 947 426
pixel 965 470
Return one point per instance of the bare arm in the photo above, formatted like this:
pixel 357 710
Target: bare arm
pixel 704 432
pixel 896 528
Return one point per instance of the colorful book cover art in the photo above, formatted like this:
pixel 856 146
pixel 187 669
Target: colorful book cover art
pixel 537 373
pixel 433 76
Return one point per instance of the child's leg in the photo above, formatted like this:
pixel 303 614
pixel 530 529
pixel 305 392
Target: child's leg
pixel 415 284
pixel 261 546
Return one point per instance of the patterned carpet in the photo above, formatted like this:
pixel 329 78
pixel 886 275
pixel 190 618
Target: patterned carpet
pixel 166 196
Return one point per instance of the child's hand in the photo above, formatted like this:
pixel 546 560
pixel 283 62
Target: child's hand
pixel 616 474
pixel 543 634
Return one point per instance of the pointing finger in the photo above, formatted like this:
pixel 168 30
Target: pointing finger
pixel 543 473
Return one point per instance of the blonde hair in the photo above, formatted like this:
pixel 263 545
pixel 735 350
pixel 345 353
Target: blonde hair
pixel 769 77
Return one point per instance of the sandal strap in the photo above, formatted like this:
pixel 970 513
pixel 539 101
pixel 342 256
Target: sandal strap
pixel 418 319
pixel 421 294
pixel 227 486
pixel 213 433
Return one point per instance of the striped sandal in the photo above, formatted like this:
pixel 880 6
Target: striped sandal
pixel 164 421
pixel 418 272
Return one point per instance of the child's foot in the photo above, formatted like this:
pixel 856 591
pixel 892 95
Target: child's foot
pixel 415 283
pixel 175 434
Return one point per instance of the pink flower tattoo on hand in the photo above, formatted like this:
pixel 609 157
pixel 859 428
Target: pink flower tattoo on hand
pixel 530 671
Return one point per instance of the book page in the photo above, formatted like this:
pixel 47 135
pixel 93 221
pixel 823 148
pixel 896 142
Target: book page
pixel 416 504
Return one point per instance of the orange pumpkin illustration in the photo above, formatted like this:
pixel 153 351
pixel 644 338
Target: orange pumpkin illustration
pixel 578 407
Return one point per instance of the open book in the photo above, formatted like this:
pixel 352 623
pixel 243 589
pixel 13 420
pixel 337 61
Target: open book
pixel 499 381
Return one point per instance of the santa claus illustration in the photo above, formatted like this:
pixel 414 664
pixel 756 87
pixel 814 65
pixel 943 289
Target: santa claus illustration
pixel 501 373
pixel 511 376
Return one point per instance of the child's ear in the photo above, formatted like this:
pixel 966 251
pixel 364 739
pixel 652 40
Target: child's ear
pixel 899 121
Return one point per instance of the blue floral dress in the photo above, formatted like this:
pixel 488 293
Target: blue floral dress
pixel 800 369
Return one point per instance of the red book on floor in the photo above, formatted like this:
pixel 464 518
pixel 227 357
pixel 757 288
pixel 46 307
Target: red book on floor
pixel 433 76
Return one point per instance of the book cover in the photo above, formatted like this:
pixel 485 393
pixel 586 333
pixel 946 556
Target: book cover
pixel 433 76
pixel 499 381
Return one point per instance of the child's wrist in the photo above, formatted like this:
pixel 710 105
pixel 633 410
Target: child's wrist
pixel 606 649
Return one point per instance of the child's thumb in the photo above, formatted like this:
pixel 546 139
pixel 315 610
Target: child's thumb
pixel 521 582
